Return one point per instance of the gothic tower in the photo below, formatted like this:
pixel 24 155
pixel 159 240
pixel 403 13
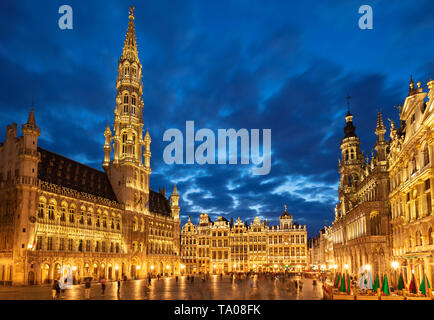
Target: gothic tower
pixel 26 196
pixel 350 168
pixel 128 173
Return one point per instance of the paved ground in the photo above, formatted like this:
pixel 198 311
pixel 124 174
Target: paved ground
pixel 169 289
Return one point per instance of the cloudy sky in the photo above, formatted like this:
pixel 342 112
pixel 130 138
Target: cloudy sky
pixel 287 66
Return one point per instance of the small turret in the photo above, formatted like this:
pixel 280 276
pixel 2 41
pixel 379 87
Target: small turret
pixel 175 203
pixel 107 146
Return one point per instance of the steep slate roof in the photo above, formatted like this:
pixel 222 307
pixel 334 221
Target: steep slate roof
pixel 159 204
pixel 62 171
pixel 59 170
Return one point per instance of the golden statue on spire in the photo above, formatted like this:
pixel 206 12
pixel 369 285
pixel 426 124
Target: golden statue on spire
pixel 131 12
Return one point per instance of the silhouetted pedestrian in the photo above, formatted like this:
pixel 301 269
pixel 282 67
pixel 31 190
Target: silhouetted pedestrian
pixel 102 286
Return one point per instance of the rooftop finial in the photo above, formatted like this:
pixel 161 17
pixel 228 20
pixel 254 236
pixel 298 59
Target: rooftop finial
pixel 285 207
pixel 131 12
pixel 348 104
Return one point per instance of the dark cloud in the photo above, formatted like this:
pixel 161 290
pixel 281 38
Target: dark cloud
pixel 279 65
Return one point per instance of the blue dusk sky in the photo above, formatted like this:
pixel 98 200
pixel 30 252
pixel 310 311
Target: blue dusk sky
pixel 286 65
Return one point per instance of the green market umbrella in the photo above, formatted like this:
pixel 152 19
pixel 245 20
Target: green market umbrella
pixel 412 286
pixel 348 285
pixel 401 284
pixel 337 280
pixel 376 283
pixel 386 289
pixel 424 285
pixel 342 287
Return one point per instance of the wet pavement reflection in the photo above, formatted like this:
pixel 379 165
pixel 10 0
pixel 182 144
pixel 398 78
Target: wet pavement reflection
pixel 170 288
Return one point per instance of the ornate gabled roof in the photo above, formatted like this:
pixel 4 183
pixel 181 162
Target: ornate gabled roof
pixel 159 204
pixel 64 172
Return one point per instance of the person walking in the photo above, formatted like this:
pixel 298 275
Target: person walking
pixel 87 288
pixel 149 280
pixel 54 289
pixel 119 288
pixel 103 286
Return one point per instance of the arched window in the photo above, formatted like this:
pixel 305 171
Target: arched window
pixel 346 154
pixel 118 223
pixel 135 224
pixel 124 143
pixel 71 215
pixel 104 220
pixel 63 212
pixel 430 236
pixel 89 218
pixel 41 209
pixel 81 219
pixel 51 211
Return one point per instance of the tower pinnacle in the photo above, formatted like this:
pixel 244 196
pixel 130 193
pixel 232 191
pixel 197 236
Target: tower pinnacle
pixel 130 45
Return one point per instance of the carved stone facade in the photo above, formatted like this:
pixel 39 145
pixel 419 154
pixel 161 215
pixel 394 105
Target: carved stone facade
pixel 222 246
pixel 411 183
pixel 360 232
pixel 385 211
pixel 56 212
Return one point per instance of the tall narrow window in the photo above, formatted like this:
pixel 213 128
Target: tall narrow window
pixel 71 215
pixel 41 209
pixel 134 146
pixel 124 143
pixel 125 103
pixel 425 156
pixel 51 212
pixel 133 104
pixel 63 214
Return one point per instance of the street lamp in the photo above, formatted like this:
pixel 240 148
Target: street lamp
pixel 395 266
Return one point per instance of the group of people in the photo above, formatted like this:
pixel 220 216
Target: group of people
pixel 58 291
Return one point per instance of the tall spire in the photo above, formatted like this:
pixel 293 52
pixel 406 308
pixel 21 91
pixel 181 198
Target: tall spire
pixel 380 130
pixel 130 45
pixel 31 119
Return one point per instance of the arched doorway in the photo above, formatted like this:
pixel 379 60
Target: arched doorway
pixel 124 270
pixel 31 278
pixel 133 271
pixel 57 271
pixel 45 273
pixel 110 270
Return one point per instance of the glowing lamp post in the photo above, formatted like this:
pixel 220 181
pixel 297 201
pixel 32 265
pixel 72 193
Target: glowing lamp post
pixel 395 266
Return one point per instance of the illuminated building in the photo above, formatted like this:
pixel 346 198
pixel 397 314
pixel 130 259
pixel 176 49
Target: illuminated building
pixel 56 212
pixel 361 229
pixel 222 246
pixel 411 181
